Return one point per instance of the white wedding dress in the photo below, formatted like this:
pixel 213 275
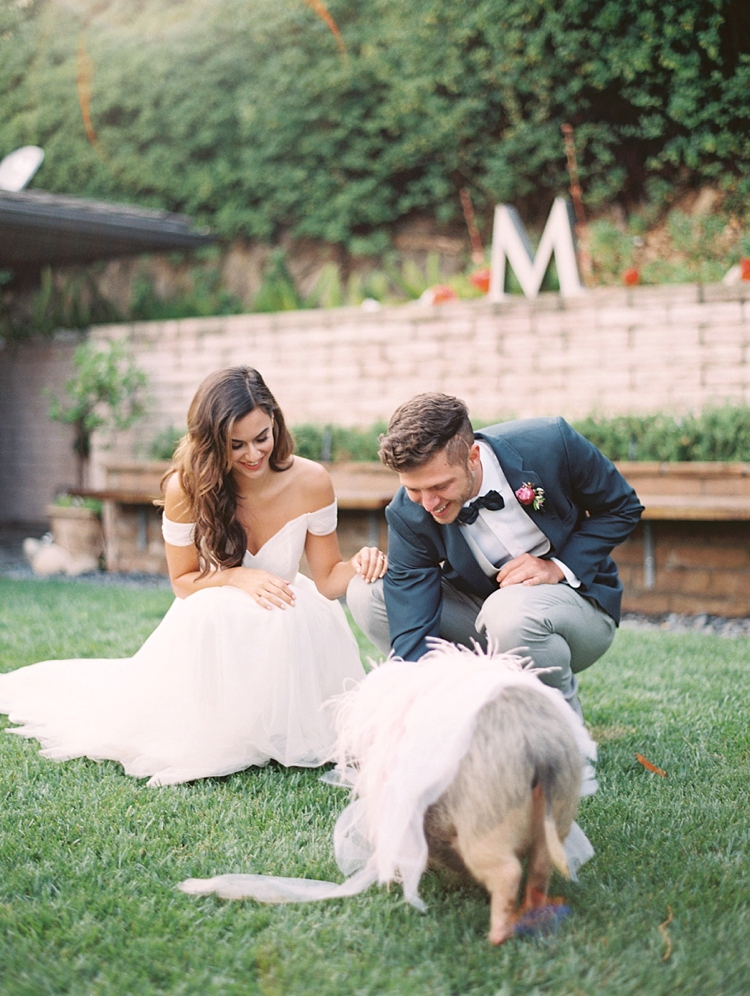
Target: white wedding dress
pixel 220 685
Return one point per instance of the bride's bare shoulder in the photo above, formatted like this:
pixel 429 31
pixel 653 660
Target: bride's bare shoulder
pixel 314 481
pixel 176 506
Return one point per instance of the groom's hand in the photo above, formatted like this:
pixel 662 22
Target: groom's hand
pixel 529 570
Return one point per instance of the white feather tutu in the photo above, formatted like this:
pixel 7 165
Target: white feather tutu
pixel 403 733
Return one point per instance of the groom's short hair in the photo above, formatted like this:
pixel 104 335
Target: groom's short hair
pixel 424 426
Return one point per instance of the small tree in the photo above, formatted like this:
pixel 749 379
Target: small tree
pixel 106 393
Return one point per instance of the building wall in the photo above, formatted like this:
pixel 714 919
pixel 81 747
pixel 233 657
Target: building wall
pixel 36 454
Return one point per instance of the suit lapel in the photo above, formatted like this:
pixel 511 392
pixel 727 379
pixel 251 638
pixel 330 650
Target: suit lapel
pixel 517 474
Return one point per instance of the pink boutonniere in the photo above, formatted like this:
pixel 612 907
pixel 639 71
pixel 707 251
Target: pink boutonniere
pixel 527 494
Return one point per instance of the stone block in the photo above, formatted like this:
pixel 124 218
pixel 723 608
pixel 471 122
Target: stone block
pixel 729 485
pixel 650 603
pixel 692 582
pixel 629 554
pixel 725 292
pixel 725 335
pixel 516 325
pixel 723 355
pixel 627 317
pixel 721 313
pixel 694 605
pixel 416 352
pixel 730 584
pixel 550 325
pixel 582 322
pixel 718 379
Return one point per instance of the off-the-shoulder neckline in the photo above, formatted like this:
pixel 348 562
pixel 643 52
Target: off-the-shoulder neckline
pixel 278 532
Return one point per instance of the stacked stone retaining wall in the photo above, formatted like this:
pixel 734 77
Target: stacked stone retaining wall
pixel 613 351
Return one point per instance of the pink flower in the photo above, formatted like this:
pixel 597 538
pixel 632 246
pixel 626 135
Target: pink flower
pixel 527 494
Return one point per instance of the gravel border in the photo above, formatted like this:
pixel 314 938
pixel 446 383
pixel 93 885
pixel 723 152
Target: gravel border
pixel 675 623
pixel 104 579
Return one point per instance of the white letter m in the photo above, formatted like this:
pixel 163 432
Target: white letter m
pixel 509 239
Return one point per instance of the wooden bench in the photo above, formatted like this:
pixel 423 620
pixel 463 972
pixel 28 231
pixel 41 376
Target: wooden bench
pixel 362 491
pixel 690 553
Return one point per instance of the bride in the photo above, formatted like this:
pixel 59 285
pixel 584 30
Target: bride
pixel 238 670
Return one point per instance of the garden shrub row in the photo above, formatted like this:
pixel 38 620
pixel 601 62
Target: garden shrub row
pixel 718 433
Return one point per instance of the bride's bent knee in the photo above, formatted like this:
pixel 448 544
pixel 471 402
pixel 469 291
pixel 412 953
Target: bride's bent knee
pixel 215 597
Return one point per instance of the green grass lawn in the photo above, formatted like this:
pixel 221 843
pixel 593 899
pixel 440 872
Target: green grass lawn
pixel 90 859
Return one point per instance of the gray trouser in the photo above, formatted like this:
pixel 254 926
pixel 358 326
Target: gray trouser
pixel 560 628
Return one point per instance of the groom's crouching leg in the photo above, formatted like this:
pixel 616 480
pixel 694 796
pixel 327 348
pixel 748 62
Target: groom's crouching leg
pixel 367 604
pixel 560 628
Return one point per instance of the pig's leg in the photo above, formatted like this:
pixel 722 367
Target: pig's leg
pixel 493 861
pixel 537 882
pixel 503 884
pixel 539 861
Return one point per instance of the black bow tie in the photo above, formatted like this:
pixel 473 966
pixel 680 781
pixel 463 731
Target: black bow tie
pixel 492 501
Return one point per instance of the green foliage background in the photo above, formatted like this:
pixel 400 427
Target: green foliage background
pixel 246 115
pixel 717 433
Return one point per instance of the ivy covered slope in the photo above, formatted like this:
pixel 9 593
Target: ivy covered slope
pixel 252 117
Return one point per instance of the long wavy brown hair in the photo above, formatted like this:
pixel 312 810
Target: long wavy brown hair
pixel 203 460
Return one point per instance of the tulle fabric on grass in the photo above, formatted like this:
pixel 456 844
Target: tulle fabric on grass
pixel 406 729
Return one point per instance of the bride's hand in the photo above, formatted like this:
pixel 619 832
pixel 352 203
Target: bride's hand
pixel 370 563
pixel 268 590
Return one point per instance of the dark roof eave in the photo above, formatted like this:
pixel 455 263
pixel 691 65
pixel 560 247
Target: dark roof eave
pixel 38 228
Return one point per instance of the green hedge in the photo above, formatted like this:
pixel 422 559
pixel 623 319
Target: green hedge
pixel 333 442
pixel 247 116
pixel 718 433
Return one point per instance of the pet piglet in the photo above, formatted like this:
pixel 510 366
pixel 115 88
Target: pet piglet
pixel 515 795
pixel 463 759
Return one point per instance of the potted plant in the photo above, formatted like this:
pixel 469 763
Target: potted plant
pixel 76 527
pixel 106 393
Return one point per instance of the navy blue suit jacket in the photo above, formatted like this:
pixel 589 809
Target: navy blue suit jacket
pixel 589 508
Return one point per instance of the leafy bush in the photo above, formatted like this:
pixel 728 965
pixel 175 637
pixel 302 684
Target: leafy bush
pixel 248 116
pixel 718 433
pixel 64 299
pixel 76 501
pixel 200 292
pixel 165 443
pixel 611 250
pixel 333 442
pixel 278 291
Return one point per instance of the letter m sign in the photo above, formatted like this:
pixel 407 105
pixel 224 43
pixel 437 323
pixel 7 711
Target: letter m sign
pixel 509 239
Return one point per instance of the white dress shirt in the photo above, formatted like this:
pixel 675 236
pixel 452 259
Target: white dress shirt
pixel 496 537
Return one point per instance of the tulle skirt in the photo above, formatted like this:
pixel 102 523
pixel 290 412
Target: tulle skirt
pixel 220 685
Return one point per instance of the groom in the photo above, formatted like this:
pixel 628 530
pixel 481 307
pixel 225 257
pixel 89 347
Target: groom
pixel 501 536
